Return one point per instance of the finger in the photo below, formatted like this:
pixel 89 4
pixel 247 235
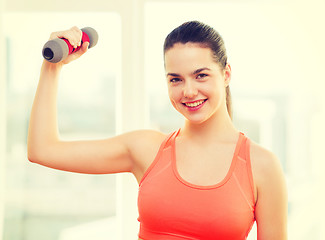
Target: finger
pixel 76 36
pixel 73 35
pixel 78 53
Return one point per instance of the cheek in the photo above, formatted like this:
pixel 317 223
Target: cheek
pixel 173 103
pixel 218 88
pixel 214 92
pixel 173 97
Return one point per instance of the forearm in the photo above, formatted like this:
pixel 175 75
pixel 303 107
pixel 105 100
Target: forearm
pixel 43 124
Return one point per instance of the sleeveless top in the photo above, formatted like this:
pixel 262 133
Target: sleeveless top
pixel 170 208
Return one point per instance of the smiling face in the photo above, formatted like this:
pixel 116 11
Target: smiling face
pixel 196 82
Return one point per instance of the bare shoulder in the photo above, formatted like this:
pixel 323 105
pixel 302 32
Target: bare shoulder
pixel 266 167
pixel 263 160
pixel 146 138
pixel 143 146
pixel 265 163
pixel 261 157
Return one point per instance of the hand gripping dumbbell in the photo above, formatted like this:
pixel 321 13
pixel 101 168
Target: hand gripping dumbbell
pixel 58 49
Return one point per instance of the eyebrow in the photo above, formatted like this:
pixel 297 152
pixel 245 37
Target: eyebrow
pixel 193 73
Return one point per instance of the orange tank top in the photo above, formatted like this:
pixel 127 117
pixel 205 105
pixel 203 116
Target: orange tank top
pixel 170 208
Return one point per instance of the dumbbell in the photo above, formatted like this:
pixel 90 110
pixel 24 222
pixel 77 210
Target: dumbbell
pixel 58 49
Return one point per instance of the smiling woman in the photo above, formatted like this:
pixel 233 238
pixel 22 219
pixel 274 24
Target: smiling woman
pixel 207 160
pixel 230 180
pixel 203 155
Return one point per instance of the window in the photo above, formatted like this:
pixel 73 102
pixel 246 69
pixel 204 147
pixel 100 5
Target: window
pixel 43 203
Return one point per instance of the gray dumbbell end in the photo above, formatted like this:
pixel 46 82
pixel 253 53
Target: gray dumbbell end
pixel 92 34
pixel 55 50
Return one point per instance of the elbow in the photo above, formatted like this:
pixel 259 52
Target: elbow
pixel 32 157
pixel 39 153
pixel 33 154
pixel 32 150
pixel 39 149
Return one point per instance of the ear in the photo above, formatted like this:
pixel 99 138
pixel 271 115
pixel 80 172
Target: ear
pixel 227 72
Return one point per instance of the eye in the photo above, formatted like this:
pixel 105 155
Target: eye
pixel 201 76
pixel 174 80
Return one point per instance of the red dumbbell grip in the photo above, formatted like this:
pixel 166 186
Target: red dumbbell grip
pixel 84 38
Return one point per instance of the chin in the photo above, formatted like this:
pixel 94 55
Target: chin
pixel 195 121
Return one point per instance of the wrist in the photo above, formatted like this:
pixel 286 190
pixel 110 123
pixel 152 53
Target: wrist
pixel 52 67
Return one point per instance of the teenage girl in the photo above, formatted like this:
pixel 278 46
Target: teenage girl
pixel 204 181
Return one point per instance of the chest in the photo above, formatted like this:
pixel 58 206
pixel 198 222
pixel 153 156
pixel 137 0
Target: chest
pixel 170 205
pixel 203 165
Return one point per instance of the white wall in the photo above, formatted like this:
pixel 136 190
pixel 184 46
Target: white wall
pixel 131 110
pixel 2 119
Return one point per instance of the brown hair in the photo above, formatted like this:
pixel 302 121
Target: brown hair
pixel 205 35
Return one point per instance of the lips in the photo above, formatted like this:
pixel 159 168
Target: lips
pixel 195 104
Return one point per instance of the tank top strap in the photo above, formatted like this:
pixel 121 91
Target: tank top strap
pixel 244 155
pixel 168 141
pixel 242 150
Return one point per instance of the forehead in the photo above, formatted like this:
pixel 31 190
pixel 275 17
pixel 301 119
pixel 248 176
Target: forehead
pixel 188 56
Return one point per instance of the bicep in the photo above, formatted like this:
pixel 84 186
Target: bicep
pixel 271 205
pixel 92 157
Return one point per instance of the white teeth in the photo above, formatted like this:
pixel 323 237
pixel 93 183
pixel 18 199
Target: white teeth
pixel 194 104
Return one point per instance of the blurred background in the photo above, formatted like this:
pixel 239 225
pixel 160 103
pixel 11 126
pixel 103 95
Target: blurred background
pixel 276 50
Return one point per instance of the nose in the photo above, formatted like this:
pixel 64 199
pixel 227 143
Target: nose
pixel 189 90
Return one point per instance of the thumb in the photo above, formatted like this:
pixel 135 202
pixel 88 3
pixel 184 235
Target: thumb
pixel 77 54
pixel 84 47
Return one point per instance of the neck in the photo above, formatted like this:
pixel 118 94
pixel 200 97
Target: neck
pixel 218 127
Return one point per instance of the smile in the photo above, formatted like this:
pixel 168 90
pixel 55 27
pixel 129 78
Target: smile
pixel 194 104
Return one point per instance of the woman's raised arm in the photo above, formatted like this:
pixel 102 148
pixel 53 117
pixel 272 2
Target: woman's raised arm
pixel 44 144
